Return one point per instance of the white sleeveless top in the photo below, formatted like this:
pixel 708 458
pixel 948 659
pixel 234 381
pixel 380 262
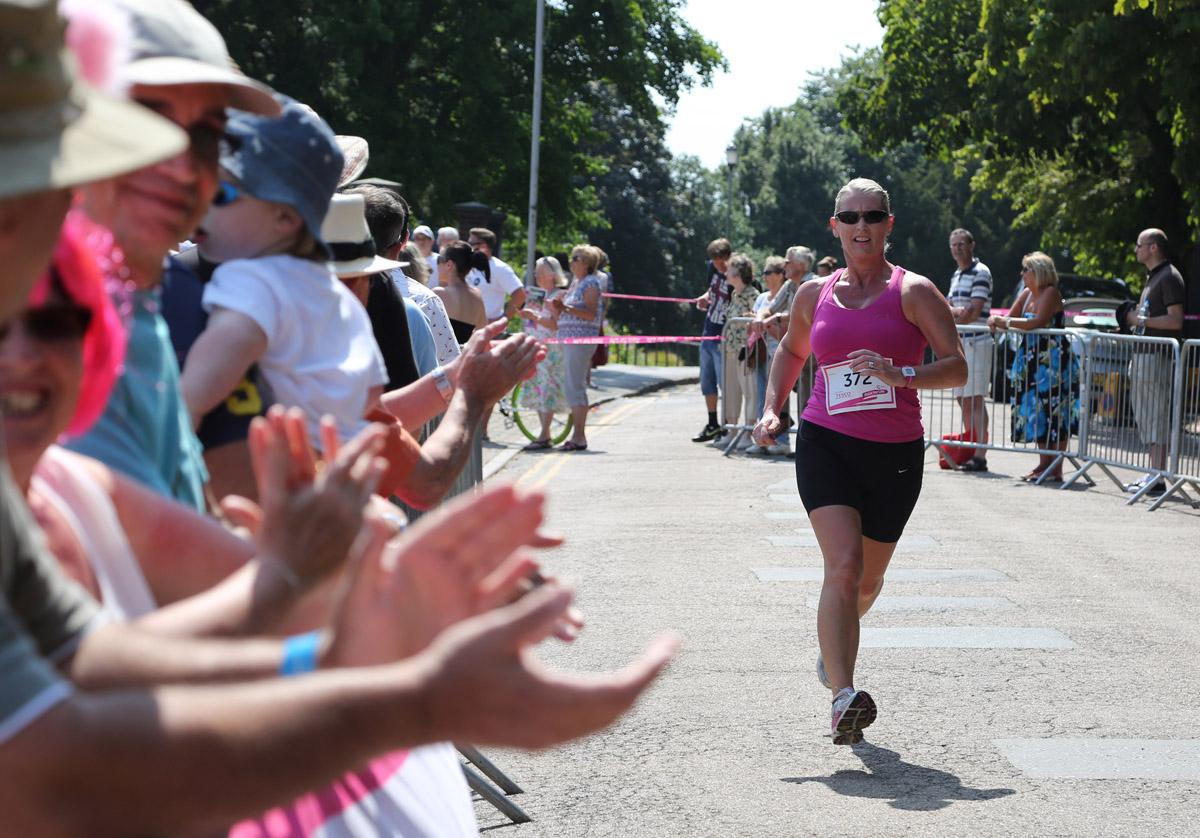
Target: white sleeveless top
pixel 63 481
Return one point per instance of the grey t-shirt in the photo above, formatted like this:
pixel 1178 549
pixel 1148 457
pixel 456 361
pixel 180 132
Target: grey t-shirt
pixel 43 615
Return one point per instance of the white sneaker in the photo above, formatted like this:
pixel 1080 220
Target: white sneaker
pixel 853 710
pixel 748 444
pixel 720 441
pixel 779 448
pixel 756 451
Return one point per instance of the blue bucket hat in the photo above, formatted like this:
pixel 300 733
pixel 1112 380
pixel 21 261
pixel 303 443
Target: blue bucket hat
pixel 291 159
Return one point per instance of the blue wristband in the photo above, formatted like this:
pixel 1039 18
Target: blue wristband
pixel 300 653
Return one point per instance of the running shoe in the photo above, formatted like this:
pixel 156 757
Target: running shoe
pixel 853 710
pixel 822 675
pixel 707 434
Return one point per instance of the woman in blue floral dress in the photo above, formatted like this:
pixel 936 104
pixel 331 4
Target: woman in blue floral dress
pixel 1044 372
pixel 544 393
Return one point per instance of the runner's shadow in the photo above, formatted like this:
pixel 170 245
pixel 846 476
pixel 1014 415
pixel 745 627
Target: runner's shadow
pixel 905 785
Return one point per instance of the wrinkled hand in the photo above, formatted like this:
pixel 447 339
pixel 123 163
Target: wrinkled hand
pixel 766 429
pixel 306 520
pixel 468 557
pixel 487 370
pixel 997 321
pixel 486 686
pixel 702 303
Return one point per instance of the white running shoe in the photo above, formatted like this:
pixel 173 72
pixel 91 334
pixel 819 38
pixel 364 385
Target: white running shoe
pixel 853 710
pixel 779 448
pixel 756 451
pixel 822 675
pixel 747 444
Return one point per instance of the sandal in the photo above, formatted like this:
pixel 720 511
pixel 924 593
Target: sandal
pixel 572 445
pixel 538 445
pixel 1031 477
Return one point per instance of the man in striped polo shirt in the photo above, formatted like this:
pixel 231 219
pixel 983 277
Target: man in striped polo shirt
pixel 971 302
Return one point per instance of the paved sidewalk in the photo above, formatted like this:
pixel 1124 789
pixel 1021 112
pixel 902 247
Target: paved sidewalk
pixel 609 383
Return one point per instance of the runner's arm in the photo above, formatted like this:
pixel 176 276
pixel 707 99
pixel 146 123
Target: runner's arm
pixel 928 310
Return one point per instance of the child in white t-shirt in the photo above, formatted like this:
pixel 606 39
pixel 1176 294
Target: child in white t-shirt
pixel 273 300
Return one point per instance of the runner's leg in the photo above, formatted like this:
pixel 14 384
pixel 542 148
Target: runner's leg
pixel 876 557
pixel 839 533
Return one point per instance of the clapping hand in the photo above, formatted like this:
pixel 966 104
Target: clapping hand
pixel 306 518
pixel 468 557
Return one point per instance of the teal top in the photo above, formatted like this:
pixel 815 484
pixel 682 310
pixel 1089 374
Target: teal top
pixel 146 430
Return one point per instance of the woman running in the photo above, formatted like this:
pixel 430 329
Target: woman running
pixel 859 449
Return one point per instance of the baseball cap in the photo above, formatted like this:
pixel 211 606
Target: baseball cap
pixel 55 130
pixel 291 159
pixel 172 43
pixel 423 230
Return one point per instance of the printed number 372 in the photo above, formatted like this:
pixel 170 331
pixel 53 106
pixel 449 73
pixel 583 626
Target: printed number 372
pixel 853 379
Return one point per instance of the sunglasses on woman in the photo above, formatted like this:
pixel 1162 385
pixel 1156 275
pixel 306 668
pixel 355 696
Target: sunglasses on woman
pixel 870 216
pixel 54 323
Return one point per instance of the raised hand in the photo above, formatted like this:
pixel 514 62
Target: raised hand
pixel 309 517
pixel 488 687
pixel 468 557
pixel 487 370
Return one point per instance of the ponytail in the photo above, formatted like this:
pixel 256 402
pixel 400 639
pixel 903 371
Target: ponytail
pixel 481 263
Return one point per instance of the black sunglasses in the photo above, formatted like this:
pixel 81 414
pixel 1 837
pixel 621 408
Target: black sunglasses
pixel 870 216
pixel 772 271
pixel 54 323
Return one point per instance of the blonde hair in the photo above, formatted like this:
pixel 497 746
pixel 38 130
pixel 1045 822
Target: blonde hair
pixel 865 186
pixel 551 264
pixel 1044 272
pixel 774 263
pixel 589 255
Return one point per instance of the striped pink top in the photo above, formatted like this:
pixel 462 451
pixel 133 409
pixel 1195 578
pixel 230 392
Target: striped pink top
pixel 855 405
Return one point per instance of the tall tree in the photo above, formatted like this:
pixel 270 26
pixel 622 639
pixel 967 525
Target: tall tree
pixel 1084 112
pixel 442 91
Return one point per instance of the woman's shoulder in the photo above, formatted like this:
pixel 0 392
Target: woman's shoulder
pixel 919 287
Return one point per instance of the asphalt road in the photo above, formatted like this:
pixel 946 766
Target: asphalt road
pixel 1098 599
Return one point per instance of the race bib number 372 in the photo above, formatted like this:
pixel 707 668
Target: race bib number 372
pixel 847 391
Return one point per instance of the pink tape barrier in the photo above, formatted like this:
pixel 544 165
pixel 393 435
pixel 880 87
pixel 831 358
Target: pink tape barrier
pixel 1003 312
pixel 649 299
pixel 599 339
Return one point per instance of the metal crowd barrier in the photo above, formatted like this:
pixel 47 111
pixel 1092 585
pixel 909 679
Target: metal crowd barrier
pixel 1185 461
pixel 743 429
pixel 1138 399
pixel 1025 393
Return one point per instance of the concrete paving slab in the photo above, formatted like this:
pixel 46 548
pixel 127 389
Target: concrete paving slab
pixel 933 603
pixel 964 637
pixel 789 499
pixel 907 542
pixel 896 574
pixel 1104 759
pixel 787 516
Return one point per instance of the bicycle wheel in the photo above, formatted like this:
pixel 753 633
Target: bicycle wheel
pixel 530 424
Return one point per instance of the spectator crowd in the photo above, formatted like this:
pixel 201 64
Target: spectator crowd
pixel 219 345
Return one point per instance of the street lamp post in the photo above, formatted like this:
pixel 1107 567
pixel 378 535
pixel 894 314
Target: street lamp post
pixel 731 161
pixel 535 141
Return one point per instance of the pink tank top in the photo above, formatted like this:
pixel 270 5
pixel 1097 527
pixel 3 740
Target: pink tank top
pixel 867 410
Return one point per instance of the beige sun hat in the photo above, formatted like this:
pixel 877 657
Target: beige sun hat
pixel 172 43
pixel 348 238
pixel 56 131
pixel 355 153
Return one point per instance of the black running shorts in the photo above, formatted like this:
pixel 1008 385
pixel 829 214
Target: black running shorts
pixel 882 480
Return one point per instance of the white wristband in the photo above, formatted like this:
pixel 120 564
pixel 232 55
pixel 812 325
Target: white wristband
pixel 445 388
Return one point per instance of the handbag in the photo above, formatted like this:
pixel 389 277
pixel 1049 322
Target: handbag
pixel 755 354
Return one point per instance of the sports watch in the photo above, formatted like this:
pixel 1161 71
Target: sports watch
pixel 909 374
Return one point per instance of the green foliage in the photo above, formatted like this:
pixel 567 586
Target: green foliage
pixel 1084 114
pixel 443 91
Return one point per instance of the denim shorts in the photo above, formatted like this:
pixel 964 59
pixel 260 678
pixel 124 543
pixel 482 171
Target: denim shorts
pixel 710 366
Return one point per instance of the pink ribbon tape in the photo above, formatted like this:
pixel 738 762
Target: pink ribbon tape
pixel 632 339
pixel 649 299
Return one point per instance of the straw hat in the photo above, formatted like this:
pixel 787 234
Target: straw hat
pixel 357 153
pixel 348 238
pixel 56 131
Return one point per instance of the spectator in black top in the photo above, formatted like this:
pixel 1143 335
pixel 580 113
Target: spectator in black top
pixel 1159 313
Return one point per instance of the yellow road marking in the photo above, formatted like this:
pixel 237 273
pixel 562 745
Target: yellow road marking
pixel 555 464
